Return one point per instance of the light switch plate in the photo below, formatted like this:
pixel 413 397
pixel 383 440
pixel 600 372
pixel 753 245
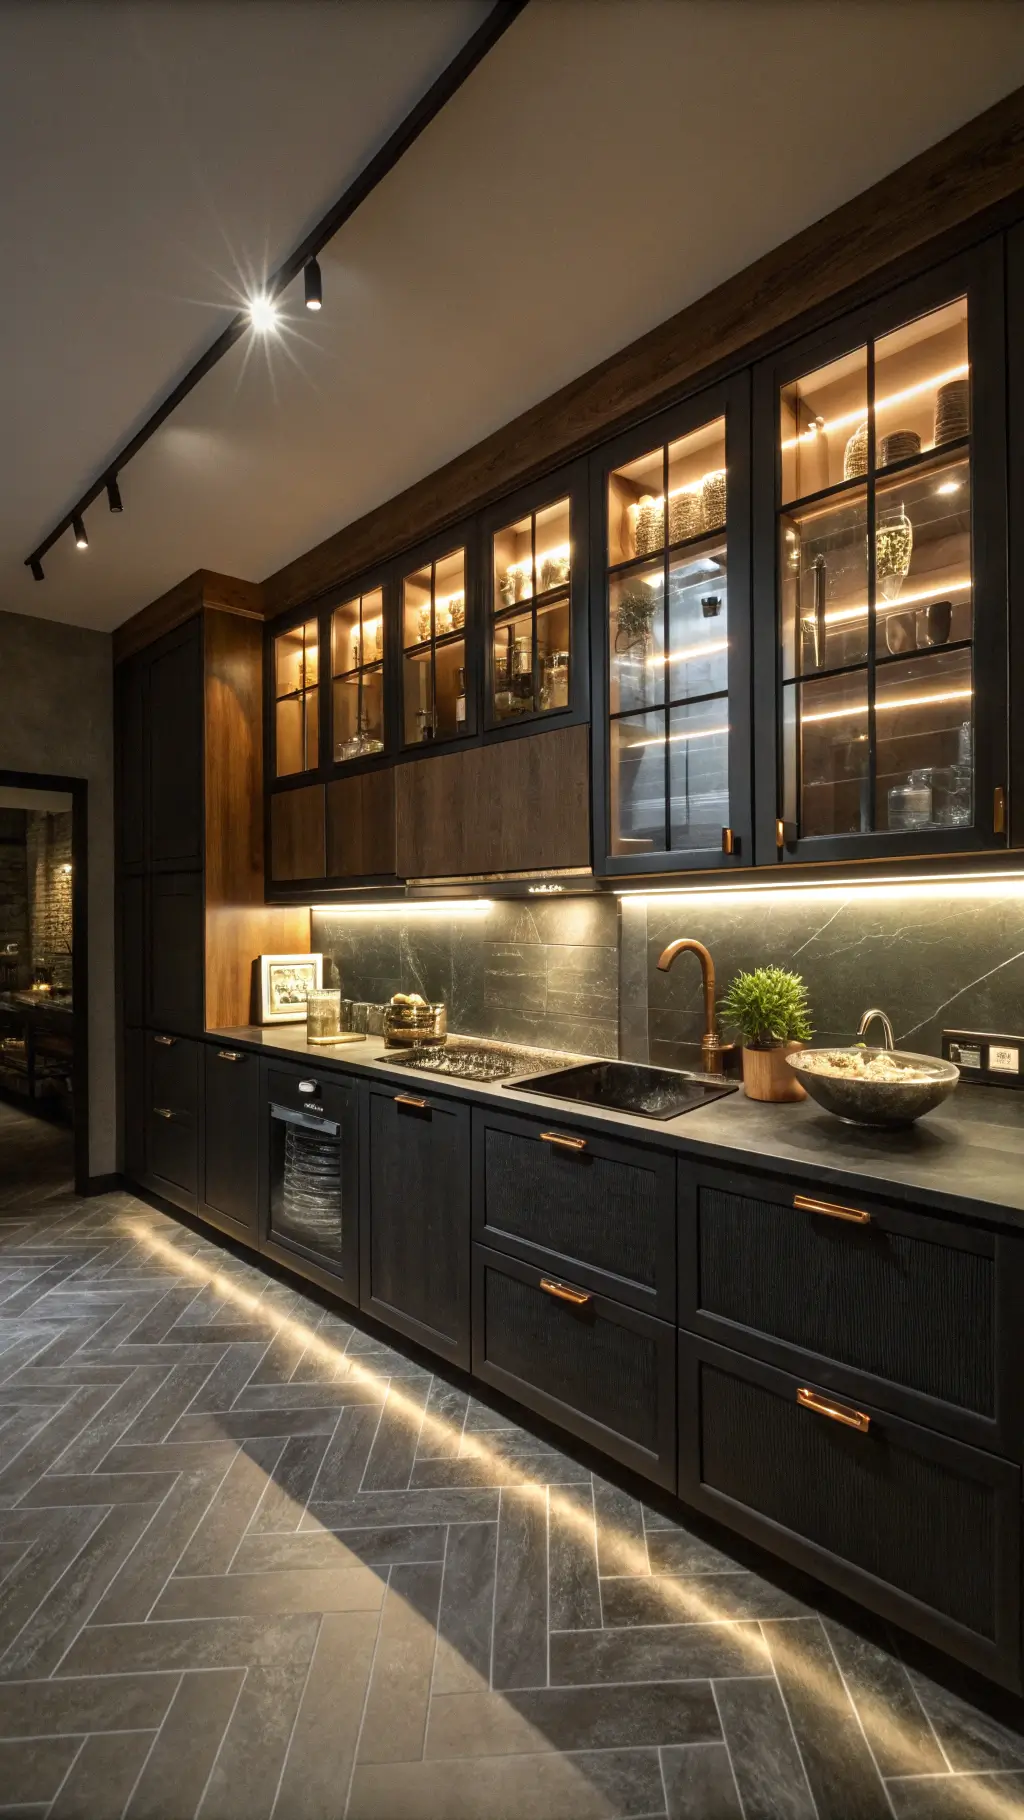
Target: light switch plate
pixel 981 1055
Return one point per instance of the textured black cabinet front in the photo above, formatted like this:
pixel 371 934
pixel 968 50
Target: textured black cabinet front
pixel 172 1123
pixel 231 1138
pixel 603 1371
pixel 175 716
pixel 414 1269
pixel 920 1528
pixel 598 1208
pixel 176 944
pixel 869 1295
pixel 132 761
pixel 133 949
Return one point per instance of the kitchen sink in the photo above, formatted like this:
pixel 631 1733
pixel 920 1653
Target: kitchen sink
pixel 656 1093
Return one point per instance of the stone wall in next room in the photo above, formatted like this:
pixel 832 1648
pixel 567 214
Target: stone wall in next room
pixel 48 855
pixel 535 972
pixel 14 960
pixel 934 957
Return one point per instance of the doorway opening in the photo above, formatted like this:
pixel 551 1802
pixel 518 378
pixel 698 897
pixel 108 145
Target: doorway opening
pixel 44 1072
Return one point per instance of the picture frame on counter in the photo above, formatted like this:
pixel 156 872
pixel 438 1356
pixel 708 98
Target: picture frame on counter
pixel 286 980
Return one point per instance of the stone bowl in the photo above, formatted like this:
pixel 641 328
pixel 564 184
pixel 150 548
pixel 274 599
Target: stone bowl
pixel 886 1104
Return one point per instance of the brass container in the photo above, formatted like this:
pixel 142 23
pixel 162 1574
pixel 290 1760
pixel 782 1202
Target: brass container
pixel 407 1025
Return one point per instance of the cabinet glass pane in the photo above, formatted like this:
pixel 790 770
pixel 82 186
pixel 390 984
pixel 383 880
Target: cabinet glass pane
pixel 513 564
pixel 296 715
pixel 290 740
pixel 696 483
pixel 922 385
pixel 532 561
pixel 823 420
pixel 289 665
pixel 554 546
pixel 418 695
pixel 450 688
pixel 923 557
pixel 433 641
pixel 357 648
pixel 636 501
pixel 553 656
pixel 923 713
pixel 834 754
pixel 636 631
pixel 417 615
pixel 698 623
pixel 698 774
pixel 823 584
pixel 637 783
pixel 513 667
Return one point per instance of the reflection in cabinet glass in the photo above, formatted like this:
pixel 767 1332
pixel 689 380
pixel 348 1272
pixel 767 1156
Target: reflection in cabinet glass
pixel 875 585
pixel 296 700
pixel 357 670
pixel 434 650
pixel 532 567
pixel 668 647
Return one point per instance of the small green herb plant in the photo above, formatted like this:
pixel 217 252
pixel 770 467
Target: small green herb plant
pixel 768 1006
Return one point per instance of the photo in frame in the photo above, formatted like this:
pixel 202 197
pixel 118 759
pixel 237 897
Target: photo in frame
pixel 286 980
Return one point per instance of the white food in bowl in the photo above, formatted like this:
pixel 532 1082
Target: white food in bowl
pixel 855 1065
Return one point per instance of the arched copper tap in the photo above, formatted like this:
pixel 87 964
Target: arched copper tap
pixel 710 1043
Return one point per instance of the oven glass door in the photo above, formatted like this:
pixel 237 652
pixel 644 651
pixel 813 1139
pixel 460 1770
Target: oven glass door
pixel 306 1198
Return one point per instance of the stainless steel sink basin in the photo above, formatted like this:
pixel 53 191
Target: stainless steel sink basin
pixel 655 1093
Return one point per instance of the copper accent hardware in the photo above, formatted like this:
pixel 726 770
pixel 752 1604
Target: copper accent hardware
pixel 229 1055
pixel 807 1204
pixel 578 1297
pixel 729 841
pixel 710 1042
pixel 166 1042
pixel 565 1143
pixel 780 833
pixel 163 1112
pixel 836 1412
pixel 407 1099
pixel 999 810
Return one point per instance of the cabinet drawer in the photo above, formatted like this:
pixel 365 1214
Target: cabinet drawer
pixel 922 1529
pixel 600 1209
pixel 172 1124
pixel 871 1296
pixel 603 1371
pixel 231 1139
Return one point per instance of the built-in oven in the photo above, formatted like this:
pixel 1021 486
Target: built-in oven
pixel 311 1128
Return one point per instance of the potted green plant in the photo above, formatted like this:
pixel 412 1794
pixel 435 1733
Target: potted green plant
pixel 769 1008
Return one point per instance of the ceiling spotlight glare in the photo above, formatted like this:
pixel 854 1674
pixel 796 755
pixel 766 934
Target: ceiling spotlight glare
pixel 78 527
pixel 114 495
pixel 37 568
pixel 314 285
pixel 263 314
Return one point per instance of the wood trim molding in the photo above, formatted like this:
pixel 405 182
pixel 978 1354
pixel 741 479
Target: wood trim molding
pixel 204 588
pixel 975 168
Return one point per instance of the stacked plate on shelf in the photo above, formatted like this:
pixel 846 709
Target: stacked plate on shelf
pixel 952 410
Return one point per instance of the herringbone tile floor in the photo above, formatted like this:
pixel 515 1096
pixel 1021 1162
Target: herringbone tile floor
pixel 255 1563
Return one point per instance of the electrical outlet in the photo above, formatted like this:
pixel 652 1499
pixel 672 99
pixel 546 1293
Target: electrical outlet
pixel 980 1055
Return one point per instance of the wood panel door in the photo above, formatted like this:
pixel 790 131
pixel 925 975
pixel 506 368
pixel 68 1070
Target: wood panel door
pixel 298 849
pixel 175 725
pixel 521 805
pixel 361 826
pixel 414 1225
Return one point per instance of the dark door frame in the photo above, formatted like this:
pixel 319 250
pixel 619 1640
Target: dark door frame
pixel 78 790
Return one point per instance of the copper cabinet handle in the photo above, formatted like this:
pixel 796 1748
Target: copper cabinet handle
pixel 807 1204
pixel 566 1143
pixel 999 810
pixel 836 1412
pixel 408 1099
pixel 578 1297
pixel 166 1042
pixel 729 841
pixel 229 1055
pixel 163 1112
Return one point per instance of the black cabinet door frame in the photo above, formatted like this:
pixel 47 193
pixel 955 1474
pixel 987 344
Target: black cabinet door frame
pixel 230 1176
pixel 1002 1432
pixel 729 399
pixel 998 1657
pixel 571 481
pixel 464 535
pixel 564 1164
pixel 978 275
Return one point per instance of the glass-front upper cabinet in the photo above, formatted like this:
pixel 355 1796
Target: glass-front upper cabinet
pixel 889 647
pixel 436 690
pixel 535 562
pixel 357 677
pixel 296 690
pixel 674 643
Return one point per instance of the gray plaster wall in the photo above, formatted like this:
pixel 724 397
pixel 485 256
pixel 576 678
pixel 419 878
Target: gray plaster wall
pixel 57 717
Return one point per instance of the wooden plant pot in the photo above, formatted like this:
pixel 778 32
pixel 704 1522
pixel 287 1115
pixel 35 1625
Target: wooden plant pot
pixel 768 1076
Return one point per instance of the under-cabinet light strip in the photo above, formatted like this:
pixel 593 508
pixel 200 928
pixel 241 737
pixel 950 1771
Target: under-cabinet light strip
pixel 458 906
pixel 945 884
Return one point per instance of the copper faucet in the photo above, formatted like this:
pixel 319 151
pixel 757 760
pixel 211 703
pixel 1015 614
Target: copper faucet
pixel 710 1042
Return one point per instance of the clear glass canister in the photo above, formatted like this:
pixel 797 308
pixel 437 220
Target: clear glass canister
pixel 323 1015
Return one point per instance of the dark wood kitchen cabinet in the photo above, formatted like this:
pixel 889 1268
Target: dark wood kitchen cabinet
pixel 231 1140
pixel 298 836
pixel 520 805
pixel 415 1218
pixel 175 952
pixel 174 725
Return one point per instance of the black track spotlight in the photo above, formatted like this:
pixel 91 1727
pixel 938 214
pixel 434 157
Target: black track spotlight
pixel 314 285
pixel 78 527
pixel 114 495
pixel 37 568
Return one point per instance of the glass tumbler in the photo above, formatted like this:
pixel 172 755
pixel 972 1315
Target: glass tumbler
pixel 323 1015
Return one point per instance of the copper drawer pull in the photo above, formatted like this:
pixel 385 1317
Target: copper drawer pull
pixel 163 1112
pixel 807 1204
pixel 836 1412
pixel 566 1143
pixel 166 1042
pixel 407 1099
pixel 229 1055
pixel 577 1297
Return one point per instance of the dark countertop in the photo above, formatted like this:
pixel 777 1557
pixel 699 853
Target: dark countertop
pixel 967 1157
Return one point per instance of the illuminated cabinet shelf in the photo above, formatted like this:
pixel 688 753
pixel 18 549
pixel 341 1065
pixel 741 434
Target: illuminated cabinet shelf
pixel 880 605
pixel 671 640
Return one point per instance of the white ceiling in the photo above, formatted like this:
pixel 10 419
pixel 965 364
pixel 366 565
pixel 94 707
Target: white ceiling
pixel 609 161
